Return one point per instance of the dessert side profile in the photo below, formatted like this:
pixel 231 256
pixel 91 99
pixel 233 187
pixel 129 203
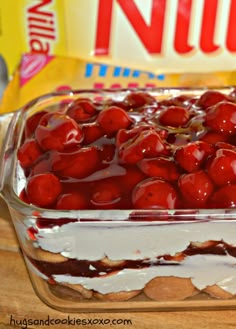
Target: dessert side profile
pixel 126 195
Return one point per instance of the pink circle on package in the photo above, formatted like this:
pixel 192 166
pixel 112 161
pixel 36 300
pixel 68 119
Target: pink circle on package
pixel 31 64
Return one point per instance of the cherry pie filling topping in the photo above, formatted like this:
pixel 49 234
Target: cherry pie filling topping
pixel 141 153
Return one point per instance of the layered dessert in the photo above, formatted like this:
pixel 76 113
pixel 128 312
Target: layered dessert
pixel 143 188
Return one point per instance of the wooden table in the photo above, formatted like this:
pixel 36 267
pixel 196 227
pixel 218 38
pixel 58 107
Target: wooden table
pixel 18 300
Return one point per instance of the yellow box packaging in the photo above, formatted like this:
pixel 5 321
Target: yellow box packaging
pixel 153 35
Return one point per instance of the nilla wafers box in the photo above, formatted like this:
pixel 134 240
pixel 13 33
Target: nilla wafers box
pixel 158 36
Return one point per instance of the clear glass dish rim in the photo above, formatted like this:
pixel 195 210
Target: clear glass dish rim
pixel 104 216
pixel 110 91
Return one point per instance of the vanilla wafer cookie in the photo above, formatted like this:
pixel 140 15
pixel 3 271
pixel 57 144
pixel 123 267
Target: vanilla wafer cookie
pixel 217 292
pixel 169 288
pixel 47 256
pixel 117 296
pixel 112 263
pixel 79 288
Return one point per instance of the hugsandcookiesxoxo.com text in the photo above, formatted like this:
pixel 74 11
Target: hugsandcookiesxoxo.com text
pixel 68 320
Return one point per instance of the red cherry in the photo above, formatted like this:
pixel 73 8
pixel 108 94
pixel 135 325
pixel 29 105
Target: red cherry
pixel 57 131
pixel 81 110
pixel 28 153
pixel 164 168
pixel 139 99
pixel 222 118
pixel 222 168
pixel 117 103
pixel 43 165
pixel 196 188
pixel 112 119
pixel 148 144
pixel 223 145
pixel 192 156
pixel 32 122
pixel 124 135
pixel 133 175
pixel 78 164
pixel 154 193
pixel 174 116
pixel 180 100
pixel 91 132
pixel 42 190
pixel 107 153
pixel 23 196
pixel 73 200
pixel 106 195
pixel 210 98
pixel 224 197
pixel 212 137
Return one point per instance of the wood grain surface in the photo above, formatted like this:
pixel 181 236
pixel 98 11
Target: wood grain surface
pixel 19 303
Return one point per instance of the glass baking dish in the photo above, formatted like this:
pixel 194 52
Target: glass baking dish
pixel 148 258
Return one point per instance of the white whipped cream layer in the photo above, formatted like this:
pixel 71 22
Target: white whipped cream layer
pixel 136 241
pixel 123 241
